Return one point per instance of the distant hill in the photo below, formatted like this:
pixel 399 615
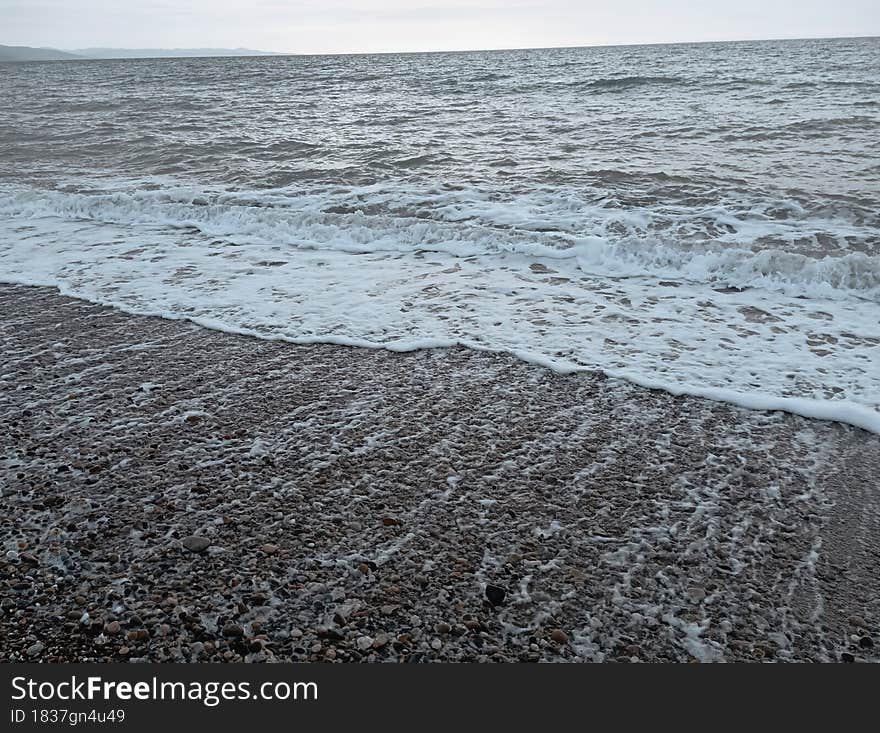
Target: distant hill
pixel 26 53
pixel 154 53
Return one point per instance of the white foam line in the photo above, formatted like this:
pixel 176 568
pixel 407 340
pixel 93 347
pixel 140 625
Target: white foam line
pixel 840 411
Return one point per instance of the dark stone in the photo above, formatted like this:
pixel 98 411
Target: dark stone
pixel 196 544
pixel 847 657
pixel 239 647
pixel 866 642
pixel 495 594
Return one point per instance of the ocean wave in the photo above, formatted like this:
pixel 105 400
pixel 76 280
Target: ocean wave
pixel 594 237
pixel 545 275
pixel 854 273
pixel 488 76
pixel 624 83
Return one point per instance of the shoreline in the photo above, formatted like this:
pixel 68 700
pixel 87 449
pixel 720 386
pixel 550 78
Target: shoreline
pixel 357 502
pixel 848 413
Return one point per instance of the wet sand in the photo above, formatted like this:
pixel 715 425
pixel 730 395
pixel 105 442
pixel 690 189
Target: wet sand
pixel 171 493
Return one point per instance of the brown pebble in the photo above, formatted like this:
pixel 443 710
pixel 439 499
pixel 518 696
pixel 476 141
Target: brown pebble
pixel 390 521
pixel 559 636
pixel 112 627
pixel 269 548
pixel 364 568
pixel 857 621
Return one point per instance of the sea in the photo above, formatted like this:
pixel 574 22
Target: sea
pixel 697 218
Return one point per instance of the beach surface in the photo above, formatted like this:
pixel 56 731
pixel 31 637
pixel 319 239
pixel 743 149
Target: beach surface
pixel 172 493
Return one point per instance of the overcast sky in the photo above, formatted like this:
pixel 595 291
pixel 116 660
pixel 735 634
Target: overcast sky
pixel 341 26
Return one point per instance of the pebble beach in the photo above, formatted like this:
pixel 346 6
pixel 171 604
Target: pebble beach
pixel 176 494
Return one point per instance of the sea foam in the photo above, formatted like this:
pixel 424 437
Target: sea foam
pixel 667 298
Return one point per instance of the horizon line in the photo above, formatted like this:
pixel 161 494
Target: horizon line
pixel 267 52
pixel 590 45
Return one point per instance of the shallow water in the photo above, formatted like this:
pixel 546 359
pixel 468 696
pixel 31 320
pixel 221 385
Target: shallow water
pixel 701 218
